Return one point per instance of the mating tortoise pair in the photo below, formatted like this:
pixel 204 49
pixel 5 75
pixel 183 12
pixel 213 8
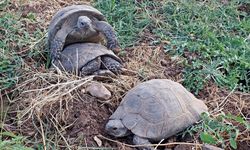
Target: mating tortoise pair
pixel 74 37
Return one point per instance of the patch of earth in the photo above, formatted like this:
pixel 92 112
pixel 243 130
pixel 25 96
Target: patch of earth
pixel 79 122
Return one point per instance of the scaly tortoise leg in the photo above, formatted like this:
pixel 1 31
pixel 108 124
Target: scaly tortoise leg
pixel 58 42
pixel 109 33
pixel 56 47
pixel 91 67
pixel 142 141
pixel 111 64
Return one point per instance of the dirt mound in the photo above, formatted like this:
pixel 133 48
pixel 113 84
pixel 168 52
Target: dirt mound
pixel 78 121
pixel 50 106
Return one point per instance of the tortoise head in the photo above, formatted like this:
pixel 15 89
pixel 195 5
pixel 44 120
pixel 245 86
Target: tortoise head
pixel 116 128
pixel 84 22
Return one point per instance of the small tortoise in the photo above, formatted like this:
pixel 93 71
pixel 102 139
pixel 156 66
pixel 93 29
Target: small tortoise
pixel 155 110
pixel 88 58
pixel 79 23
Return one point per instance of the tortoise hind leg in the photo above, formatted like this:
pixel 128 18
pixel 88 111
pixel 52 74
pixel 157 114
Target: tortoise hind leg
pixel 109 33
pixel 142 141
pixel 111 64
pixel 91 67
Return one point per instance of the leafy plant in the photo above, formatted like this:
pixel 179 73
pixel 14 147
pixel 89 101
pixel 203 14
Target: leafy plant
pixel 15 40
pixel 212 37
pixel 12 142
pixel 218 130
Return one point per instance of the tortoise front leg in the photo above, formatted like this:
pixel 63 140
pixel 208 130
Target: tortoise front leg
pixel 109 33
pixel 91 67
pixel 111 64
pixel 142 141
pixel 57 44
pixel 55 49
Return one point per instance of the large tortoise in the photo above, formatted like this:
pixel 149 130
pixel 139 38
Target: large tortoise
pixel 155 110
pixel 88 58
pixel 79 23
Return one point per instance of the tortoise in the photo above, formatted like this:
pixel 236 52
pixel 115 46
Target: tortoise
pixel 88 58
pixel 155 110
pixel 79 23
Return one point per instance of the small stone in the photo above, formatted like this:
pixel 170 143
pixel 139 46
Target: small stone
pixel 98 141
pixel 83 91
pixel 98 90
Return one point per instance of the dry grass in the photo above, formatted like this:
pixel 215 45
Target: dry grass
pixel 40 89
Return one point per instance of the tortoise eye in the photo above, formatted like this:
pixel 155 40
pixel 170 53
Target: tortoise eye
pixel 82 24
pixel 114 128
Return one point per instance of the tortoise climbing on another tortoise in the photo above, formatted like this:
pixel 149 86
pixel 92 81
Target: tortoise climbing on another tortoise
pixel 88 58
pixel 155 110
pixel 79 23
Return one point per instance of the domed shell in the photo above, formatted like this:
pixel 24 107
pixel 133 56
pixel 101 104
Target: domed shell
pixel 75 56
pixel 72 12
pixel 158 109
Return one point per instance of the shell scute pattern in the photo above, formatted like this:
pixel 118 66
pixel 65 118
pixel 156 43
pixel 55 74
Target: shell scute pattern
pixel 133 105
pixel 160 108
pixel 152 111
pixel 76 56
pixel 131 120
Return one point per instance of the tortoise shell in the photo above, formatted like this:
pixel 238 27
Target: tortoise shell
pixel 158 109
pixel 75 56
pixel 71 14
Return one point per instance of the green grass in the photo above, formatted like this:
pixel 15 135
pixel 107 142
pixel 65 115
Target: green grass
pixel 8 62
pixel 125 18
pixel 214 34
pixel 16 45
pixel 219 130
pixel 10 141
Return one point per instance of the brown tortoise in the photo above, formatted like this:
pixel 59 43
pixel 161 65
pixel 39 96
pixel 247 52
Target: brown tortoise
pixel 88 58
pixel 155 110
